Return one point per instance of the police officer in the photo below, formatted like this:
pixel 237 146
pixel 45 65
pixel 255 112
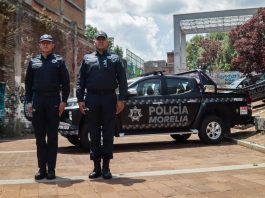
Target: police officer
pixel 46 77
pixel 100 74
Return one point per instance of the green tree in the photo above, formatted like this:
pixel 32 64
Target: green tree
pixel 90 33
pixel 194 51
pixel 118 50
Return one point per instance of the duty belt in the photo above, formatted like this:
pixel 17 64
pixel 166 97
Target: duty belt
pixel 101 92
pixel 47 93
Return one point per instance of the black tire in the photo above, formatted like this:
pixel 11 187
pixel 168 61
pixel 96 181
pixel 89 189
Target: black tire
pixel 180 137
pixel 212 130
pixel 84 137
pixel 75 140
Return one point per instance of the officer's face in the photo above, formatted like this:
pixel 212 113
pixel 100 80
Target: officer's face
pixel 101 43
pixel 46 47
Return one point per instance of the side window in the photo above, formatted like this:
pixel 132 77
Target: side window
pixel 148 87
pixel 177 86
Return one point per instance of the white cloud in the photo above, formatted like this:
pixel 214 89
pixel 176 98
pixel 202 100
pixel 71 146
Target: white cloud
pixel 146 27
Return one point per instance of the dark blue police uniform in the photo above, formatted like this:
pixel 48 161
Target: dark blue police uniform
pixel 100 75
pixel 45 79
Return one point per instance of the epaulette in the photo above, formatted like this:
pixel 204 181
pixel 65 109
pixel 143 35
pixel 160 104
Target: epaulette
pixel 88 58
pixel 36 58
pixel 58 57
pixel 114 57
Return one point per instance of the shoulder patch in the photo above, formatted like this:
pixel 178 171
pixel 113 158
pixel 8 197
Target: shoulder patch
pixel 58 57
pixel 36 58
pixel 114 57
pixel 90 58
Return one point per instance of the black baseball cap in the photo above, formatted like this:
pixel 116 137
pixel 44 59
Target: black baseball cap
pixel 101 34
pixel 46 37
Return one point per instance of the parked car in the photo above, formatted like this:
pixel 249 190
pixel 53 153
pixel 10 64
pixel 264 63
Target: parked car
pixel 253 85
pixel 178 105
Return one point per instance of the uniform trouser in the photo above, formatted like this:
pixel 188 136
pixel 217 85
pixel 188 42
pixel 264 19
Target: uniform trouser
pixel 45 122
pixel 100 118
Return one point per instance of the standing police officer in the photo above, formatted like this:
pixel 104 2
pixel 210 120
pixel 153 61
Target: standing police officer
pixel 100 74
pixel 46 77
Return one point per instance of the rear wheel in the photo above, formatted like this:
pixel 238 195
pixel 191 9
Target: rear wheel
pixel 180 137
pixel 73 139
pixel 84 137
pixel 212 130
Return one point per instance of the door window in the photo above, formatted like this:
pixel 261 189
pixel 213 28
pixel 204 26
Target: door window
pixel 151 87
pixel 177 86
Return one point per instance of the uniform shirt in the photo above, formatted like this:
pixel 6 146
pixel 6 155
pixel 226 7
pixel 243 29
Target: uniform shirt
pixel 47 75
pixel 101 72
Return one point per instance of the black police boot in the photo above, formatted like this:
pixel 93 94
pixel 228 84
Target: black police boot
pixel 105 170
pixel 41 174
pixel 96 171
pixel 51 174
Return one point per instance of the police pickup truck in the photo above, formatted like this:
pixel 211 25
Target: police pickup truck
pixel 178 105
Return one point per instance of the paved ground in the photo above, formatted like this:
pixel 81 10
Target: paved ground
pixel 143 166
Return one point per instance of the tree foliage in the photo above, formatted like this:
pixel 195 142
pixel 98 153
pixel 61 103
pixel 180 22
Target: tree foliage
pixel 194 51
pixel 211 50
pixel 249 43
pixel 199 53
pixel 90 33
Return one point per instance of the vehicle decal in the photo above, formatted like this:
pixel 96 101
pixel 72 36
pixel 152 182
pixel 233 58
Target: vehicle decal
pixel 135 114
pixel 208 100
pixel 162 101
pixel 153 126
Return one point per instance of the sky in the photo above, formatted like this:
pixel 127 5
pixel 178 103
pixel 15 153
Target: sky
pixel 145 27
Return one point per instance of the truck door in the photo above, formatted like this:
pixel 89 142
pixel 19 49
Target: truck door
pixel 182 102
pixel 136 113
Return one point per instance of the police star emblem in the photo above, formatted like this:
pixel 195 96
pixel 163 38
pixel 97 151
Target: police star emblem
pixel 135 114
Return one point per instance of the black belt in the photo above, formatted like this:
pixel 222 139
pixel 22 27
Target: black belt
pixel 101 92
pixel 47 93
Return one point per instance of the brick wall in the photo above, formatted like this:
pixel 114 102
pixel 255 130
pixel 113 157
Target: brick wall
pixel 65 11
pixel 22 43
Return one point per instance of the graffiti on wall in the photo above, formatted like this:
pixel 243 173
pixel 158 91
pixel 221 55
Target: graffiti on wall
pixel 2 100
pixel 225 78
pixel 12 99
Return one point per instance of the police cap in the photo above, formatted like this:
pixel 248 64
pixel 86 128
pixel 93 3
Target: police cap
pixel 46 37
pixel 101 34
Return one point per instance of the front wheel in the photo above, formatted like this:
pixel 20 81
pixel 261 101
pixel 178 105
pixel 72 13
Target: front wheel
pixel 84 137
pixel 180 137
pixel 212 130
pixel 74 139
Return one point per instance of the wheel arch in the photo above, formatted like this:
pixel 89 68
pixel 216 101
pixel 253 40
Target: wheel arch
pixel 221 111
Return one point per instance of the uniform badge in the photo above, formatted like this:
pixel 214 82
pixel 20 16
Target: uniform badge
pixel 54 61
pixel 135 114
pixel 105 63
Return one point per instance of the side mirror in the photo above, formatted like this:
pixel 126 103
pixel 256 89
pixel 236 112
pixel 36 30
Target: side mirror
pixel 240 86
pixel 132 92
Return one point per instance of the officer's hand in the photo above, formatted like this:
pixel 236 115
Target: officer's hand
pixel 29 107
pixel 61 108
pixel 120 106
pixel 82 107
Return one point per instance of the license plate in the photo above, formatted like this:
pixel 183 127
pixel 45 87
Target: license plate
pixel 244 110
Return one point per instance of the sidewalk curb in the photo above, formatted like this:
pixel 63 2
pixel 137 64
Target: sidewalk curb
pixel 247 144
